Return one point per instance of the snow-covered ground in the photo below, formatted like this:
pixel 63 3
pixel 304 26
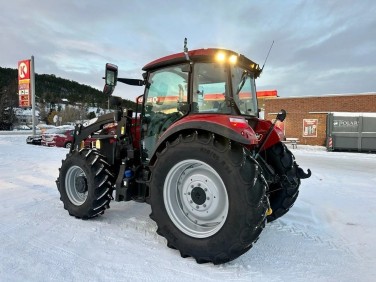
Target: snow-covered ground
pixel 327 236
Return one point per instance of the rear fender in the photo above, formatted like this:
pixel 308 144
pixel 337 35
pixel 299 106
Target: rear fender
pixel 234 129
pixel 276 135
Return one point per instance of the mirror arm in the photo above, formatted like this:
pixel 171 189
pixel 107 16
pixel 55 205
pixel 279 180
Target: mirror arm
pixel 131 81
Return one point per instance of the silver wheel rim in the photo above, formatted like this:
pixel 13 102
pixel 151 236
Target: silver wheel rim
pixel 195 198
pixel 76 197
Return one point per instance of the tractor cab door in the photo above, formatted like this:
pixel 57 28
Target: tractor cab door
pixel 166 101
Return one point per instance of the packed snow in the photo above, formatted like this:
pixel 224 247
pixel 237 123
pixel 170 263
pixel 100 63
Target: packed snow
pixel 328 235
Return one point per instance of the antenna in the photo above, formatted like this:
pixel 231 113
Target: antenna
pixel 186 49
pixel 267 56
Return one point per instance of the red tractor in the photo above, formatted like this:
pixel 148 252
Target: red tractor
pixel 213 172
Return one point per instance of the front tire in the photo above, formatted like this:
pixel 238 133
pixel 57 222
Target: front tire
pixel 282 195
pixel 207 197
pixel 85 184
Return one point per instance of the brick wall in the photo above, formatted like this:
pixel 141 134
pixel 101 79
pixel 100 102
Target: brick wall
pixel 299 108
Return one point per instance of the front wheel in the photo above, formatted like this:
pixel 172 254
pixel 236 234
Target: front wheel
pixel 85 184
pixel 207 197
pixel 282 195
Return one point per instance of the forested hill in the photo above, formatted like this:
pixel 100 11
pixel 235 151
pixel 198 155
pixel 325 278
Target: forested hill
pixel 51 89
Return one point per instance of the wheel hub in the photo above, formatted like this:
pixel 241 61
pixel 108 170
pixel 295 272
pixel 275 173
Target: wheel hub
pixel 76 185
pixel 199 192
pixel 198 195
pixel 81 184
pixel 196 198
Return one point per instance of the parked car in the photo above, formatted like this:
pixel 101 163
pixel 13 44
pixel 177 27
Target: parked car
pixel 64 137
pixel 23 127
pixel 34 139
pixel 66 140
pixel 63 140
pixel 59 136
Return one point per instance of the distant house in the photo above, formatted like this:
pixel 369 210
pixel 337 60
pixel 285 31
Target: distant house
pixel 24 116
pixel 60 105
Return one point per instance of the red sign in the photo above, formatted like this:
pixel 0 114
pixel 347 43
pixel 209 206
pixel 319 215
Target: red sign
pixel 23 70
pixel 310 127
pixel 267 94
pixel 24 91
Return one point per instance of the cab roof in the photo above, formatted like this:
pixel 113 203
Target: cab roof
pixel 201 55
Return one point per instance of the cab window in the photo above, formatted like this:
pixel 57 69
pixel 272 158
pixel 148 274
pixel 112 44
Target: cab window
pixel 166 102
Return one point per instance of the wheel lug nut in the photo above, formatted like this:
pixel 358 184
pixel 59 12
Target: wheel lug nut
pixel 204 205
pixel 197 207
pixel 189 193
pixel 191 201
pixel 206 189
pixel 208 198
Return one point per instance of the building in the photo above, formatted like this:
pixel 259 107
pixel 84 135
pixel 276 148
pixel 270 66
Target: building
pixel 25 116
pixel 262 96
pixel 307 115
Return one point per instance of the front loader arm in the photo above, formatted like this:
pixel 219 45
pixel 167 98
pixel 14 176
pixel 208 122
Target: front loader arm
pixel 83 131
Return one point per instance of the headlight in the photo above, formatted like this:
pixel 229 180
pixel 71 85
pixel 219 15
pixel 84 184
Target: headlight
pixel 233 59
pixel 98 144
pixel 222 57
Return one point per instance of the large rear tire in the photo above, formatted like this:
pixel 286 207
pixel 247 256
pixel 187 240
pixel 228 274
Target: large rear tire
pixel 282 195
pixel 85 184
pixel 207 197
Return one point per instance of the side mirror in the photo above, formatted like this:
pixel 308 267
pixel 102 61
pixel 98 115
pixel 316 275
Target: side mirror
pixel 111 76
pixel 281 115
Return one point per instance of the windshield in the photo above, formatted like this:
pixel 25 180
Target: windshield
pixel 244 90
pixel 212 93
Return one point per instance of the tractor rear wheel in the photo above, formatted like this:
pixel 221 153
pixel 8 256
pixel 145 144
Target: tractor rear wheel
pixel 282 195
pixel 85 183
pixel 207 197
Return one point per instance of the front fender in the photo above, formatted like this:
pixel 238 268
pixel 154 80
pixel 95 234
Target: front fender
pixel 276 135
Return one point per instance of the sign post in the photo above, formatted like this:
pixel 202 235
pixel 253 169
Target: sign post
pixel 32 84
pixel 26 86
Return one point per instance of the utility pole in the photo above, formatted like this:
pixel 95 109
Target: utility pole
pixel 32 82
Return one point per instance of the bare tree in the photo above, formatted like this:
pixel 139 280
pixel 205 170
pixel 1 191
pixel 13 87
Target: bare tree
pixel 70 114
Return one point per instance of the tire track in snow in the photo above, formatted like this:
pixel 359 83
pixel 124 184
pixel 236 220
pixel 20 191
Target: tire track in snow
pixel 337 244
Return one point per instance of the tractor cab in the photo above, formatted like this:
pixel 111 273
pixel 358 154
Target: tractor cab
pixel 202 81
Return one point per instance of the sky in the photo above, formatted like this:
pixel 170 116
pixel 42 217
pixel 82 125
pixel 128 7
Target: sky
pixel 320 47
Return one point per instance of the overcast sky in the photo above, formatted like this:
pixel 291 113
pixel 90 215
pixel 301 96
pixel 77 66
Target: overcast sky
pixel 321 47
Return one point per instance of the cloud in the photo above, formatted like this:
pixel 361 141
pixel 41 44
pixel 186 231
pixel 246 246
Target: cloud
pixel 320 46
